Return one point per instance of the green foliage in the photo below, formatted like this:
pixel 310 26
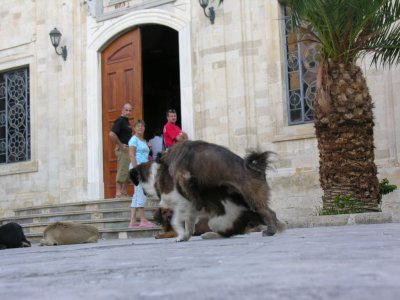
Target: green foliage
pixel 348 205
pixel 385 187
pixel 343 205
pixel 350 29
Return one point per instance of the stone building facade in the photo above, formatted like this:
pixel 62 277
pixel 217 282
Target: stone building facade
pixel 233 91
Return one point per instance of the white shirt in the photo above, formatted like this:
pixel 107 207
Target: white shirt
pixel 156 145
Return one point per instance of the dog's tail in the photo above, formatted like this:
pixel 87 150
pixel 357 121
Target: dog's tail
pixel 259 162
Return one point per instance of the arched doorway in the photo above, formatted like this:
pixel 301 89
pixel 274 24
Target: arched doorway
pixel 140 67
pixel 161 82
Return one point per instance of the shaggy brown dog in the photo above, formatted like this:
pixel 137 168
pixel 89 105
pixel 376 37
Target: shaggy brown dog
pixel 12 236
pixel 199 179
pixel 163 216
pixel 66 233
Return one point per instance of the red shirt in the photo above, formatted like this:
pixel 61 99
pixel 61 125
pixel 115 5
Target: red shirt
pixel 171 131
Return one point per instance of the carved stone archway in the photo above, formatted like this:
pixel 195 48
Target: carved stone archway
pixel 97 40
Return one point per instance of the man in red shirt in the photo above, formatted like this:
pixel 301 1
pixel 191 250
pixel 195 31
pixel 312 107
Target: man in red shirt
pixel 173 133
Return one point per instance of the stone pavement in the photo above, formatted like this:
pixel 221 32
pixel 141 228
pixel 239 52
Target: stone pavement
pixel 340 262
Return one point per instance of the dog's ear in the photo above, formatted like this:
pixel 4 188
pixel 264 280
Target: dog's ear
pixel 134 175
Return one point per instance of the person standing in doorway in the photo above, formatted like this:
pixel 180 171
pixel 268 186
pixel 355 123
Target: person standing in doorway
pixel 156 143
pixel 138 154
pixel 120 134
pixel 172 132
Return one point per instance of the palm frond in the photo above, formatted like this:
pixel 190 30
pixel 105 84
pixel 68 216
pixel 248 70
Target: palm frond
pixel 385 44
pixel 351 29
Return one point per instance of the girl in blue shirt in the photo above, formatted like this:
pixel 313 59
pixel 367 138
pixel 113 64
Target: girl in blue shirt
pixel 138 154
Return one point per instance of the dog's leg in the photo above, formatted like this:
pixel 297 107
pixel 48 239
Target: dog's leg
pixel 25 244
pixel 46 243
pixel 190 223
pixel 273 224
pixel 211 235
pixel 271 220
pixel 92 239
pixel 177 224
pixel 257 202
pixel 187 186
pixel 166 235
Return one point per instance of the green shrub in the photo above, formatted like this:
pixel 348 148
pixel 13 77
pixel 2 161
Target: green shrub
pixel 343 205
pixel 348 205
pixel 385 187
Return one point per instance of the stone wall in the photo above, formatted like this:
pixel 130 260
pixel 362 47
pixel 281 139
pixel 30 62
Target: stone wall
pixel 232 89
pixel 240 102
pixel 57 170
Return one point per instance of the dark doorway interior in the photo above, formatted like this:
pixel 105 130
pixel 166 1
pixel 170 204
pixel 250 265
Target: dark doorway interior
pixel 160 64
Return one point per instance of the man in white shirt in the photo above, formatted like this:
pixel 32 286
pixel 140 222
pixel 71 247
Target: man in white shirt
pixel 156 143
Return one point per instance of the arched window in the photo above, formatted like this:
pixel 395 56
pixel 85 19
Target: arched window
pixel 301 74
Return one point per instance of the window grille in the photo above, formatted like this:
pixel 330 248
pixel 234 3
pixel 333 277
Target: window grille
pixel 301 74
pixel 15 139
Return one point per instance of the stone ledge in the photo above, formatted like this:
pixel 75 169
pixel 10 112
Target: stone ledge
pixel 339 220
pixel 20 167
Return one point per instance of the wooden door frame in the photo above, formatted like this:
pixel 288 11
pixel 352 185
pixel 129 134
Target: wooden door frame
pixel 98 39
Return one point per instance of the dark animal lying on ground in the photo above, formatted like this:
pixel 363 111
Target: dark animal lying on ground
pixel 199 179
pixel 12 236
pixel 65 233
pixel 163 216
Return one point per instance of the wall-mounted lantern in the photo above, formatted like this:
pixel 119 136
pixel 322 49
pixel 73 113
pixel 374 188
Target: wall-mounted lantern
pixel 211 12
pixel 55 36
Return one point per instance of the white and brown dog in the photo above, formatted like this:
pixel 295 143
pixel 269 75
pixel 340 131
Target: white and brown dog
pixel 199 179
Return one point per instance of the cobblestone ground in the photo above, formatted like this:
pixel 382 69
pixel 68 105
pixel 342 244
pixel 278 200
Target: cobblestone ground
pixel 343 262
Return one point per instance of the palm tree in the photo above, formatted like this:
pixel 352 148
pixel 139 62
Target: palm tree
pixel 345 31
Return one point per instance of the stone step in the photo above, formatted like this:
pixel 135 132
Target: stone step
pixel 93 215
pixel 104 204
pixel 109 234
pixel 116 223
pixel 129 233
pixel 110 216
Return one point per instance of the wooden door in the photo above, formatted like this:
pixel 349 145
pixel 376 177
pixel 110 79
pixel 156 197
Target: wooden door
pixel 121 83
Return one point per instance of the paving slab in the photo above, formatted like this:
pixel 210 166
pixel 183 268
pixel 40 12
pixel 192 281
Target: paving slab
pixel 338 262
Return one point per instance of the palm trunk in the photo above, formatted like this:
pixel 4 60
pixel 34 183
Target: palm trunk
pixel 344 128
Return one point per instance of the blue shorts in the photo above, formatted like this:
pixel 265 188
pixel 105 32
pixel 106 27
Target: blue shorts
pixel 139 199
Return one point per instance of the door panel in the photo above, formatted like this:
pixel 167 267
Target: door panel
pixel 121 83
